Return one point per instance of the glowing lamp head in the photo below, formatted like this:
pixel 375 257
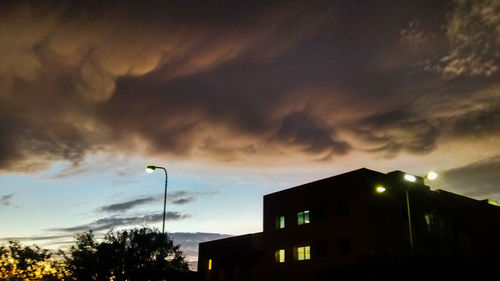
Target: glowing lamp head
pixel 410 178
pixel 150 169
pixel 432 176
pixel 493 202
pixel 380 189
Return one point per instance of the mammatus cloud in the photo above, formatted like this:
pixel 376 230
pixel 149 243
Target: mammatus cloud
pixel 240 81
pixel 115 221
pixel 310 134
pixel 395 131
pixel 480 179
pixel 5 199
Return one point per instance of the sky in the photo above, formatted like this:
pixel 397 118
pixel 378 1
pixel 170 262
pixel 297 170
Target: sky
pixel 236 100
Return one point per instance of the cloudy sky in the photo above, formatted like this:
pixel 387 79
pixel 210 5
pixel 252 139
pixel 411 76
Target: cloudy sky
pixel 235 100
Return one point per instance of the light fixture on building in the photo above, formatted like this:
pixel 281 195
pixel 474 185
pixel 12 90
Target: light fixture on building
pixel 432 176
pixel 410 178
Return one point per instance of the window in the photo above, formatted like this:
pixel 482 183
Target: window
pixel 434 225
pixel 280 222
pixel 429 221
pixel 342 208
pixel 303 217
pixel 344 246
pixel 320 249
pixel 304 253
pixel 210 264
pixel 279 256
pixel 318 212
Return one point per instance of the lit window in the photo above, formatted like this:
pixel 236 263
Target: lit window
pixel 280 222
pixel 210 264
pixel 279 256
pixel 303 217
pixel 304 253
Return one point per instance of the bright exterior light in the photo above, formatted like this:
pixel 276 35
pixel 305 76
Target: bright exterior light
pixel 409 177
pixel 150 169
pixel 493 202
pixel 380 189
pixel 432 176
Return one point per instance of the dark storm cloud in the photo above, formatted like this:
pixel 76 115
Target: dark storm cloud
pixel 5 199
pixel 480 179
pixel 24 139
pixel 114 221
pixel 311 134
pixel 181 197
pixel 478 123
pixel 238 81
pixel 178 197
pixel 395 131
pixel 120 207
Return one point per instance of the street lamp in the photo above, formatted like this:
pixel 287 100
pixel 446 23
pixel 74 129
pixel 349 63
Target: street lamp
pixel 431 175
pixel 411 178
pixel 150 169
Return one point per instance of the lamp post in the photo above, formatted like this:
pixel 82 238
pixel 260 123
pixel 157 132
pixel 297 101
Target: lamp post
pixel 412 179
pixel 150 169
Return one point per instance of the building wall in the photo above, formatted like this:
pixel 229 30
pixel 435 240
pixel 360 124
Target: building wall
pixel 348 220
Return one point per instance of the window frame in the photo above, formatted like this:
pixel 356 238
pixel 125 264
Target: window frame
pixel 304 217
pixel 280 222
pixel 279 256
pixel 303 253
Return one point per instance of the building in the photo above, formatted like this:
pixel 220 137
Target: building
pixel 346 218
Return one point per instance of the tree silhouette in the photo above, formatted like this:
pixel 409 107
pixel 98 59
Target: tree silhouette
pixel 136 254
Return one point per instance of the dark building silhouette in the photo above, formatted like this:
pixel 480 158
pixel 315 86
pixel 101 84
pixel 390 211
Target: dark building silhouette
pixel 343 220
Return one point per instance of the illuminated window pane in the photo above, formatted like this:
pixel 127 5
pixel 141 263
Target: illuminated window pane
pixel 303 253
pixel 300 253
pixel 300 218
pixel 210 264
pixel 279 222
pixel 303 217
pixel 279 256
